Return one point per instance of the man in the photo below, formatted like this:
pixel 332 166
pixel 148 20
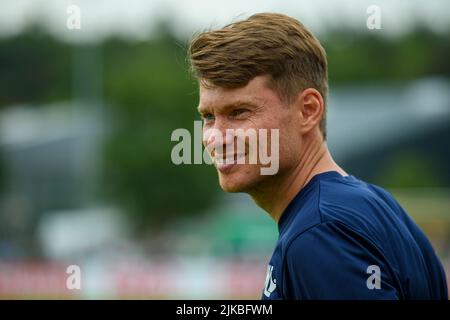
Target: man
pixel 339 237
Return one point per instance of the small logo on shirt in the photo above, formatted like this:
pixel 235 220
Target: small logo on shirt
pixel 374 280
pixel 271 283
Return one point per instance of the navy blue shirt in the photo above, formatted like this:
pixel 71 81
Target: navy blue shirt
pixel 342 238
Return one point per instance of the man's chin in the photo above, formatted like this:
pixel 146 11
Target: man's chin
pixel 232 188
pixel 233 183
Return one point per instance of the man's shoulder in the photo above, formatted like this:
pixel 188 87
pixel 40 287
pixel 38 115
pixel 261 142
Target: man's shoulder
pixel 350 192
pixel 360 208
pixel 357 204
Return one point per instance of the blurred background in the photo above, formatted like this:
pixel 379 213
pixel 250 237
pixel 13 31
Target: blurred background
pixel 86 116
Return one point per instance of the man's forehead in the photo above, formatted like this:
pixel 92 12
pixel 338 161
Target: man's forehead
pixel 256 92
pixel 219 101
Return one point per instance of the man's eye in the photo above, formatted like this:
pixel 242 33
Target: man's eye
pixel 238 112
pixel 207 117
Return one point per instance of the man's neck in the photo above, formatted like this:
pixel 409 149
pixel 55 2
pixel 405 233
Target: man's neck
pixel 275 198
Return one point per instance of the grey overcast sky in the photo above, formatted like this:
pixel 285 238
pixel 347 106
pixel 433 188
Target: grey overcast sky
pixel 137 18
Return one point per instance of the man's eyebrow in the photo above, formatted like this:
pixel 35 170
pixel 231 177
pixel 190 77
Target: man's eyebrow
pixel 241 103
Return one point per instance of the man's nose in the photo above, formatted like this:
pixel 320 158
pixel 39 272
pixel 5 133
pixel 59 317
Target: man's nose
pixel 215 138
pixel 218 138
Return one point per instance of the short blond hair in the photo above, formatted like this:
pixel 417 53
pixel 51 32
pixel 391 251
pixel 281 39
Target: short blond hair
pixel 264 44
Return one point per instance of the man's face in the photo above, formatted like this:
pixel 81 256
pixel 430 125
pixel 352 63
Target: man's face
pixel 253 107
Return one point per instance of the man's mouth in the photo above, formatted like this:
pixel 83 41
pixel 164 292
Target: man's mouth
pixel 225 162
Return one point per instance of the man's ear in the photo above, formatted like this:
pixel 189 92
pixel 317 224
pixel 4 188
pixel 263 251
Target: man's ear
pixel 311 108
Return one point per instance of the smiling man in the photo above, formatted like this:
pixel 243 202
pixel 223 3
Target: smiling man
pixel 339 237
